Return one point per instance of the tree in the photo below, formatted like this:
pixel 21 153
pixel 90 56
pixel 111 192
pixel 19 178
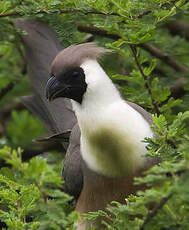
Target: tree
pixel 150 66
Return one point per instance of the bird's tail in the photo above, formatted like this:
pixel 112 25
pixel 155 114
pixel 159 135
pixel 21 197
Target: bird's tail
pixel 41 46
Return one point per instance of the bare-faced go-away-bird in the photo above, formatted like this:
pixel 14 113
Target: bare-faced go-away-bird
pixel 106 149
pixel 112 130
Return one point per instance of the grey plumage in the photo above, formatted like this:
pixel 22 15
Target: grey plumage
pixel 72 171
pixel 41 46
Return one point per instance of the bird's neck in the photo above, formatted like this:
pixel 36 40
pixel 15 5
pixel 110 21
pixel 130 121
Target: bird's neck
pixel 100 92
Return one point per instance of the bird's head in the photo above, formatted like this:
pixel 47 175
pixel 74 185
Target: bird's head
pixel 68 76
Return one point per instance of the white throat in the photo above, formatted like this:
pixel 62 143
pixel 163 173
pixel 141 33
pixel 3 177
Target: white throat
pixel 100 90
pixel 111 130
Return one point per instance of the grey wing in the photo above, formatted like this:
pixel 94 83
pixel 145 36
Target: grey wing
pixel 41 46
pixel 72 171
pixel 147 116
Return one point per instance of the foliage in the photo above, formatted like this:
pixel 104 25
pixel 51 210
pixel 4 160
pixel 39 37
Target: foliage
pixel 150 67
pixel 31 196
pixel 23 121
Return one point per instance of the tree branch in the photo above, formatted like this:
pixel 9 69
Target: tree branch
pixel 150 48
pixel 164 57
pixel 155 211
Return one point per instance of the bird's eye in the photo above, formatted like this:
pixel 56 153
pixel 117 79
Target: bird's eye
pixel 75 74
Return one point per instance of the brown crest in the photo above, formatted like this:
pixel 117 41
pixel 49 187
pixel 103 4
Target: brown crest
pixel 75 55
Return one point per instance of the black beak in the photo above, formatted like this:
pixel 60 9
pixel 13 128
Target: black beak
pixel 54 88
pixel 68 86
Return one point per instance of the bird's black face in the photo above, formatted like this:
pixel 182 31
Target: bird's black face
pixel 70 85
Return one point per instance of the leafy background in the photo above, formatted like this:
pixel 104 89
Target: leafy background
pixel 150 66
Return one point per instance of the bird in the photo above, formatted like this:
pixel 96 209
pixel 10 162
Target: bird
pixel 106 149
pixel 112 130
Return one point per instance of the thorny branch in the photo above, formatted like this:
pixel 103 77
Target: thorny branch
pixel 150 48
pixel 155 211
pixel 15 13
pixel 133 49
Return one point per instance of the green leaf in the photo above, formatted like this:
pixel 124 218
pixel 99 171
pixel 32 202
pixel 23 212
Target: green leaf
pixel 21 123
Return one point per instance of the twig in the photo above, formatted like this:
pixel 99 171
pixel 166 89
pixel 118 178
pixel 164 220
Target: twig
pixel 155 211
pixel 101 13
pixel 150 48
pixel 133 49
pixel 9 14
pixel 43 194
pixel 97 31
pixel 144 14
pixel 6 89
